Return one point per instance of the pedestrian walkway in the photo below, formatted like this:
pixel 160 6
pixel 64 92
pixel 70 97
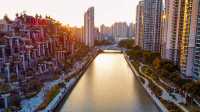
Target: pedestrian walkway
pixel 146 86
pixel 165 94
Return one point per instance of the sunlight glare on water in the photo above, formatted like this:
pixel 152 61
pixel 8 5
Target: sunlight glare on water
pixel 108 86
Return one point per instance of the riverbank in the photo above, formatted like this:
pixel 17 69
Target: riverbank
pixel 167 75
pixel 64 84
pixel 103 88
pixel 58 101
pixel 159 90
pixel 67 93
pixel 160 106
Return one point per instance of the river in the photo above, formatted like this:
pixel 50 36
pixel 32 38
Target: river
pixel 108 85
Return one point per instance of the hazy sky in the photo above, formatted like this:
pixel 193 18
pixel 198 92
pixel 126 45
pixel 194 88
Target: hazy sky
pixel 72 11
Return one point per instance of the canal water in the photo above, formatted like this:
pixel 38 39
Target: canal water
pixel 108 86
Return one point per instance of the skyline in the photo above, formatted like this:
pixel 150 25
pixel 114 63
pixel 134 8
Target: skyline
pixel 100 56
pixel 106 12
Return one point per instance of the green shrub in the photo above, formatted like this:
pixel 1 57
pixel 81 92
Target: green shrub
pixel 127 43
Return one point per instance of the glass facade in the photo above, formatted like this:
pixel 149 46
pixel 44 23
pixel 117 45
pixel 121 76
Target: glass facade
pixel 152 20
pixel 196 68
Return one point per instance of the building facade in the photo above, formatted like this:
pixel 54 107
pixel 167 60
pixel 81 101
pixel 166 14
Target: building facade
pixel 152 22
pixel 29 43
pixel 89 27
pixel 97 34
pixel 131 30
pixel 105 32
pixel 196 55
pixel 181 35
pixel 119 30
pixel 5 26
pixel 170 35
pixel 163 33
pixel 140 24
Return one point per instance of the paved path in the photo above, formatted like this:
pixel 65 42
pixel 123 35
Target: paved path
pixel 165 93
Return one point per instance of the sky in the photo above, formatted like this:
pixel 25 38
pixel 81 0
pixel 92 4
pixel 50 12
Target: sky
pixel 72 11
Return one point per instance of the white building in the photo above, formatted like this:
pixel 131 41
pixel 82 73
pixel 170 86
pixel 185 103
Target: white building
pixel 89 27
pixel 152 22
pixel 120 30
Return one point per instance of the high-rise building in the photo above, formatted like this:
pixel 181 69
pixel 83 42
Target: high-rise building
pixel 131 30
pixel 196 54
pixel 186 30
pixel 105 32
pixel 152 21
pixel 163 33
pixel 169 33
pixel 140 24
pixel 97 34
pixel 181 35
pixel 120 30
pixel 89 27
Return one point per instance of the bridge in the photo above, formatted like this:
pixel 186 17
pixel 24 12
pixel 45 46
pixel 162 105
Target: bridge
pixel 111 48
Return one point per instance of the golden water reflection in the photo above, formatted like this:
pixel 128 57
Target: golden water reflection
pixel 108 86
